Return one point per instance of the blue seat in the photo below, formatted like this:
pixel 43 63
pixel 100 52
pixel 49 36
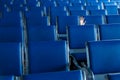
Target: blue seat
pixel 111 9
pixel 92 7
pixel 46 33
pixel 63 3
pixel 34 20
pixel 57 11
pixel 104 1
pixel 98 12
pixel 110 3
pixel 80 7
pixel 114 76
pixel 113 19
pixel 78 35
pixel 96 19
pixel 11 34
pixel 7 78
pixel 11 59
pixel 79 12
pixel 64 21
pixel 109 31
pixel 91 0
pixel 35 11
pixel 77 38
pixel 47 56
pixel 10 19
pixel 61 75
pixel 31 3
pixel 103 56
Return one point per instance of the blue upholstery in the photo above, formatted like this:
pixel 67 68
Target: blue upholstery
pixel 61 75
pixel 10 34
pixel 47 56
pixel 78 35
pixel 70 8
pixel 34 20
pixel 63 3
pixel 35 11
pixel 111 9
pixel 64 21
pixel 32 2
pixel 103 56
pixel 92 7
pixel 98 12
pixel 7 77
pixel 10 19
pixel 36 33
pixel 97 19
pixel 55 14
pixel 113 19
pixel 114 76
pixel 79 12
pixel 10 59
pixel 109 31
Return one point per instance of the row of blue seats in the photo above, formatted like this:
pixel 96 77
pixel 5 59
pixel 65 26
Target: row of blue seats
pixel 79 35
pixel 49 2
pixel 79 7
pixel 39 60
pixel 103 58
pixel 62 75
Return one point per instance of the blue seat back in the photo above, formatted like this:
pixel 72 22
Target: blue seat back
pixel 64 21
pixel 109 31
pixel 61 75
pixel 111 9
pixel 97 19
pixel 7 77
pixel 79 35
pixel 98 12
pixel 113 19
pixel 34 20
pixel 79 12
pixel 92 7
pixel 47 56
pixel 11 34
pixel 114 76
pixel 47 33
pixel 103 56
pixel 11 59
pixel 10 19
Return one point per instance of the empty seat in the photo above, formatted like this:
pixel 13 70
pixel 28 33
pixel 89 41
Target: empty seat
pixel 46 33
pixel 80 7
pixel 77 38
pixel 11 34
pixel 109 31
pixel 34 20
pixel 47 56
pixel 114 76
pixel 35 11
pixel 7 78
pixel 57 11
pixel 103 56
pixel 98 12
pixel 111 9
pixel 78 35
pixel 113 19
pixel 92 7
pixel 61 75
pixel 96 19
pixel 64 21
pixel 11 59
pixel 10 19
pixel 79 12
